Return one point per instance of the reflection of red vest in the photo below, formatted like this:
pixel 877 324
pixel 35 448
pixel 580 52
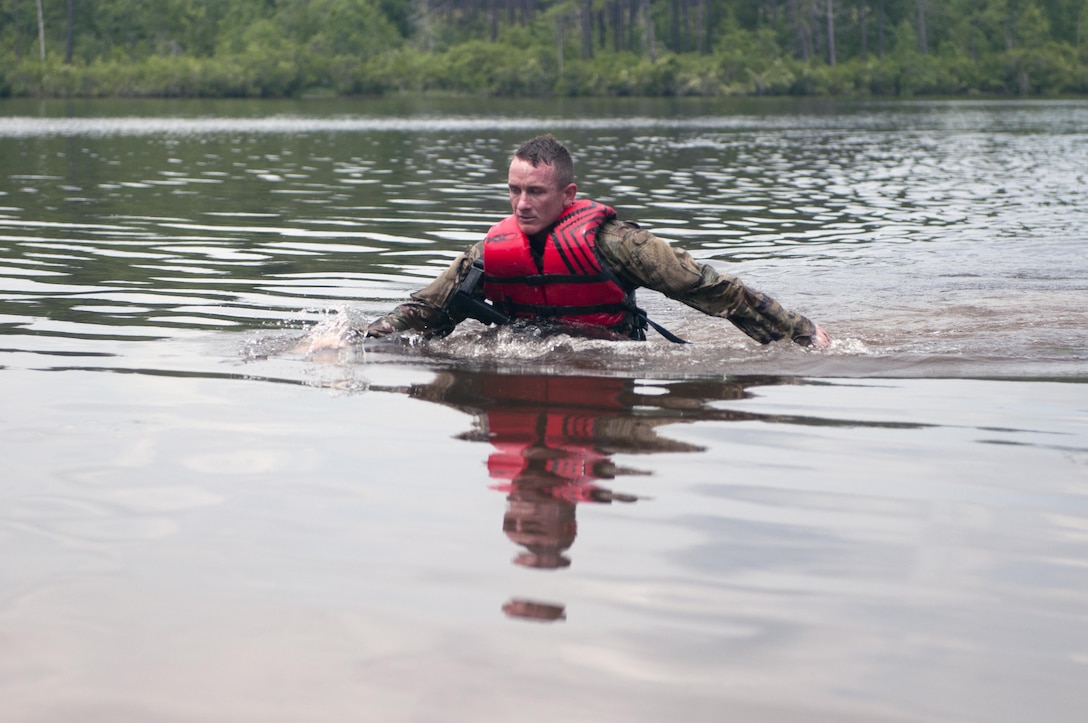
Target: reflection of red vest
pixel 572 284
pixel 563 445
pixel 551 425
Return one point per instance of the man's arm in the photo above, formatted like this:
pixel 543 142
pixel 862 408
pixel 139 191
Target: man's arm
pixel 427 309
pixel 646 260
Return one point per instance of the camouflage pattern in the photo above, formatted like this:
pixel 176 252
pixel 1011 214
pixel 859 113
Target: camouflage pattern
pixel 640 259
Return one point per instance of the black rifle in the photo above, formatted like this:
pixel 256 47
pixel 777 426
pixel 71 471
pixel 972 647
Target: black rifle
pixel 463 301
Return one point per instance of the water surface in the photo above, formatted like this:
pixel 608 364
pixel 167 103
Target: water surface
pixel 214 511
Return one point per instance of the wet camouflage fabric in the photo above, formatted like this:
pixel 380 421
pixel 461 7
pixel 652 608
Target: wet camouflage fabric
pixel 640 259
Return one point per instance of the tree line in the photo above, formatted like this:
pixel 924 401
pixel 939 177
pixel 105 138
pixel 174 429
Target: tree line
pixel 278 48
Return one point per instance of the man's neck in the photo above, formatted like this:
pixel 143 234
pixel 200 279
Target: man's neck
pixel 536 246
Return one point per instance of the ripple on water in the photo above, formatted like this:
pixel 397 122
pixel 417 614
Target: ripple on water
pixel 830 213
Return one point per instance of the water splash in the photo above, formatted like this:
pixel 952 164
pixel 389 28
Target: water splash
pixel 336 330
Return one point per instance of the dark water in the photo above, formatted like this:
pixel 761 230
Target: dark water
pixel 214 509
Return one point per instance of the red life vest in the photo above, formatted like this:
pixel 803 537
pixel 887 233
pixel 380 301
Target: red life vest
pixel 572 285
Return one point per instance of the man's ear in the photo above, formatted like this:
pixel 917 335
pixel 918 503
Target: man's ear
pixel 569 193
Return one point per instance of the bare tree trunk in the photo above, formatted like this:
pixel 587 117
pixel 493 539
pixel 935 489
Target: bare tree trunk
pixel 1080 26
pixel 685 25
pixel 424 25
pixel 586 22
pixel 621 34
pixel 71 25
pixel 674 26
pixel 802 39
pixel 923 46
pixel 41 30
pixel 619 29
pixel 830 33
pixel 18 36
pixel 863 18
pixel 1080 16
pixel 493 18
pixel 880 23
pixel 559 19
pixel 700 26
pixel 651 44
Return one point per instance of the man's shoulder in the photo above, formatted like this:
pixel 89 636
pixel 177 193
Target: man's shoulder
pixel 617 226
pixel 617 232
pixel 475 251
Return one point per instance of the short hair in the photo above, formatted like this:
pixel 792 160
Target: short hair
pixel 547 150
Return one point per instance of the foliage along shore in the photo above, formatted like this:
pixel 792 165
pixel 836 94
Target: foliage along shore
pixel 290 48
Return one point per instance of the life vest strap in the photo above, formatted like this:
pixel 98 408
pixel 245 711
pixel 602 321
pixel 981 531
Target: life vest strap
pixel 660 329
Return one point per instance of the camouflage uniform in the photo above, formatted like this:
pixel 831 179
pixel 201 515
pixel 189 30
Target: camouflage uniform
pixel 640 259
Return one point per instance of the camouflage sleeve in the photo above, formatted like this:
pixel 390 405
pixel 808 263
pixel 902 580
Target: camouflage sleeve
pixel 646 260
pixel 426 311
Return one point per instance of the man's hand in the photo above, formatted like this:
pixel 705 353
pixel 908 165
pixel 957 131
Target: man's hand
pixel 820 338
pixel 380 327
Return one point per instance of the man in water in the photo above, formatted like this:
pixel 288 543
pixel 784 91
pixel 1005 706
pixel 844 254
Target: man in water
pixel 559 259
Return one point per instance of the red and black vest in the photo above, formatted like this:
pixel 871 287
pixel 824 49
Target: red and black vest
pixel 571 285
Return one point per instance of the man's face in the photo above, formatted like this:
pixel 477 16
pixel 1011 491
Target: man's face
pixel 535 197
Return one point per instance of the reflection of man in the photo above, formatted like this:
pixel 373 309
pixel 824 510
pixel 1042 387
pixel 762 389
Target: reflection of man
pixel 546 453
pixel 533 610
pixel 540 515
pixel 558 258
pixel 553 439
pixel 546 449
pixel 543 525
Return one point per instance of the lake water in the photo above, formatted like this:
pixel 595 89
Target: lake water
pixel 213 509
